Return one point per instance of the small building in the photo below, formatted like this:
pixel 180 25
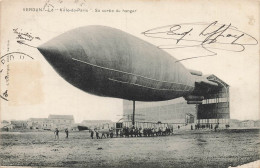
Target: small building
pixel 5 122
pixel 244 124
pixel 248 124
pixel 6 126
pixel 52 122
pixel 40 123
pixel 19 124
pixel 61 121
pixel 234 123
pixel 257 124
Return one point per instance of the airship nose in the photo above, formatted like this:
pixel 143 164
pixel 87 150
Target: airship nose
pixel 54 55
pixel 46 52
pixel 50 52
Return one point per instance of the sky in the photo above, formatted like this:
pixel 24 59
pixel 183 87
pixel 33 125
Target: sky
pixel 36 90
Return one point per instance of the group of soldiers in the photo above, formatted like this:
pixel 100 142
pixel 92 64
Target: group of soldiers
pixel 131 132
pixel 207 126
pixel 203 126
pixel 146 132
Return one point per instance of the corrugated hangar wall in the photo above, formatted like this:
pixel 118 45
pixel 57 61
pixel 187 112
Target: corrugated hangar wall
pixel 172 111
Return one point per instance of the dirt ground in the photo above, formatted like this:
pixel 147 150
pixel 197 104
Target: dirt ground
pixel 184 149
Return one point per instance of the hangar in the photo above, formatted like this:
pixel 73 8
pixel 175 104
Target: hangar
pixel 215 108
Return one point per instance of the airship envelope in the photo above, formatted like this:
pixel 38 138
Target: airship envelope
pixel 109 62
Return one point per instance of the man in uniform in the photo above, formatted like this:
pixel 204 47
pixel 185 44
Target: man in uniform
pixel 56 133
pixel 67 133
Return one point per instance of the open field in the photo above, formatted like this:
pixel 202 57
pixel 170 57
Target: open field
pixel 184 149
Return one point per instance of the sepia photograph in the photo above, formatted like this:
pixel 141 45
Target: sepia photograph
pixel 130 84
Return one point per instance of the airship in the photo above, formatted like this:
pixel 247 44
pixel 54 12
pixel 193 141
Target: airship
pixel 108 62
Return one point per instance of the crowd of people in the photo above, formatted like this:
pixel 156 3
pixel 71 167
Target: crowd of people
pixel 131 132
pixel 136 132
pixel 207 126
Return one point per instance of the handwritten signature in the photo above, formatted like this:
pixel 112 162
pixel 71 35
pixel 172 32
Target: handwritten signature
pixel 24 35
pixel 204 35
